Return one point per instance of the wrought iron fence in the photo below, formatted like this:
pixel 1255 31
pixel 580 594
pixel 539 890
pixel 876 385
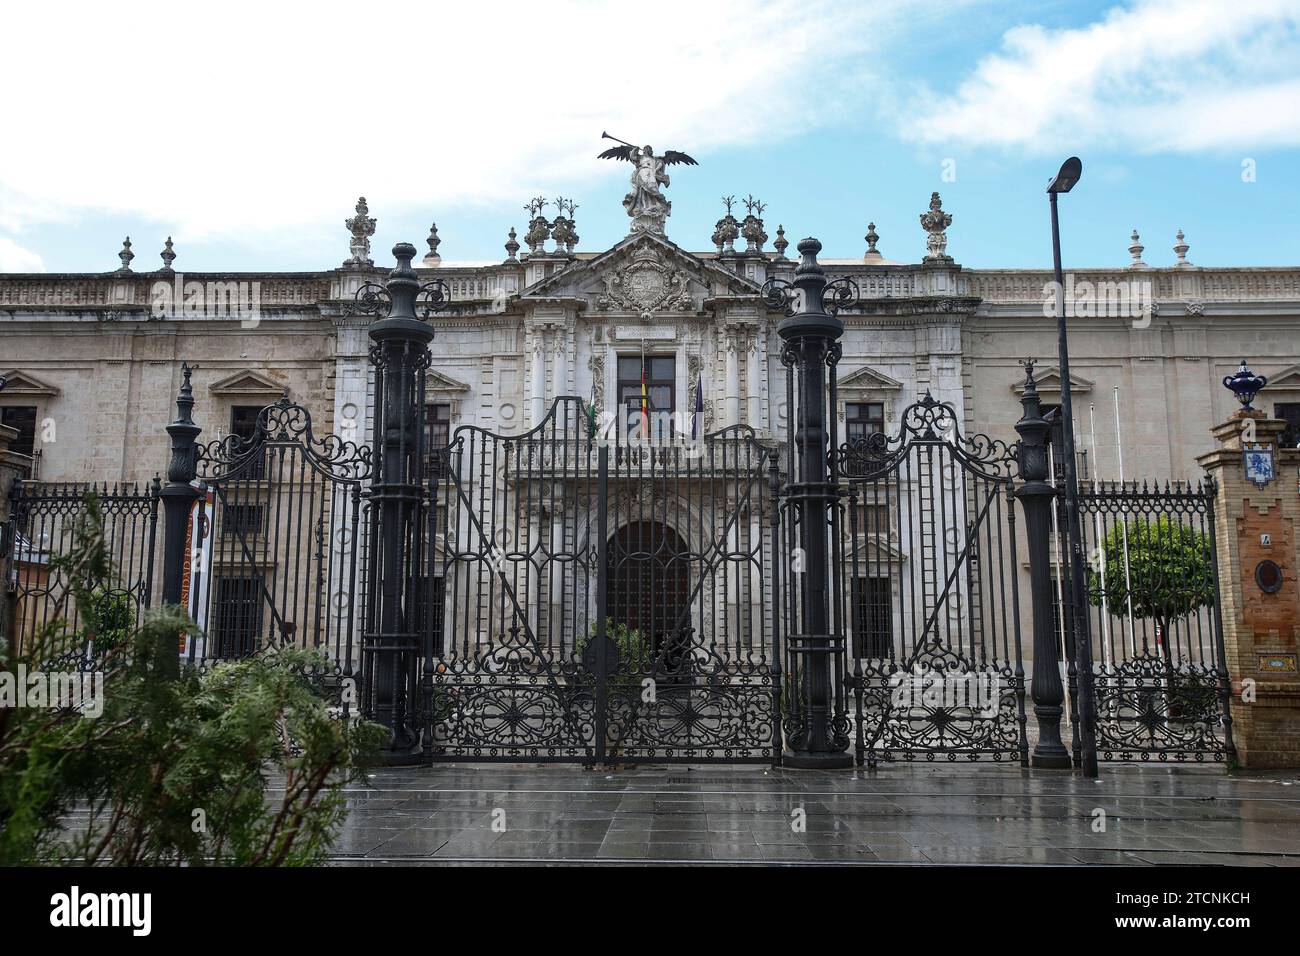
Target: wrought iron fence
pixel 1153 597
pixel 44 523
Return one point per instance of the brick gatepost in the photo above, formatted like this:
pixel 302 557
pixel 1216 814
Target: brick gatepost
pixel 1260 625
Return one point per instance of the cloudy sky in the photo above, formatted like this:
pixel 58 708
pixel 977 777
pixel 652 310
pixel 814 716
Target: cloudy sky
pixel 247 130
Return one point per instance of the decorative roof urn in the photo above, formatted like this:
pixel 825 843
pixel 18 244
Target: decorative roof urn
pixel 1245 385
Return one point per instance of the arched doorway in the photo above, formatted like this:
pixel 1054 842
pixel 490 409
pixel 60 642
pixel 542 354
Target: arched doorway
pixel 647 585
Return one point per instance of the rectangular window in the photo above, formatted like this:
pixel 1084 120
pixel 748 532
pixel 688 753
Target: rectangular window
pixel 1289 412
pixel 237 616
pixel 23 418
pixel 874 625
pixel 243 422
pixel 860 420
pixel 660 386
pixel 863 418
pixel 244 520
pixel 437 436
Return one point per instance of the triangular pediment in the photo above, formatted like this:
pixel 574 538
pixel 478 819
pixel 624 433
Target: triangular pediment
pixel 24 383
pixel 247 382
pixel 671 275
pixel 435 381
pixel 877 551
pixel 1287 378
pixel 1049 380
pixel 868 378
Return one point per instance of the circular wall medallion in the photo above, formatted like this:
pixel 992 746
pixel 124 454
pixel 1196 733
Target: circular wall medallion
pixel 1268 575
pixel 506 412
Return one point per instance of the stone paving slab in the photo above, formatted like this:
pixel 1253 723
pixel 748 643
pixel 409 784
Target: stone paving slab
pixel 925 814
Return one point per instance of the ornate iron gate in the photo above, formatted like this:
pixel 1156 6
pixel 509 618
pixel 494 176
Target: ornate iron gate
pixel 928 588
pixel 1161 681
pixel 596 599
pixel 278 543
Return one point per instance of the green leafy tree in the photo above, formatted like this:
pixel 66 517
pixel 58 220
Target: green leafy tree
pixel 173 771
pixel 1170 575
pixel 112 619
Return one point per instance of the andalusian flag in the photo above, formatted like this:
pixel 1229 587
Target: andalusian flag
pixel 591 411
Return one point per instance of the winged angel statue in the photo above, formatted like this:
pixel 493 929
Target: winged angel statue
pixel 646 203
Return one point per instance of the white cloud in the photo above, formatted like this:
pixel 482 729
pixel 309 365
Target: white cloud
pixel 255 117
pixel 14 258
pixel 1153 76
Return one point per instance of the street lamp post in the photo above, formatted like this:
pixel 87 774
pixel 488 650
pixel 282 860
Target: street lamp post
pixel 1064 181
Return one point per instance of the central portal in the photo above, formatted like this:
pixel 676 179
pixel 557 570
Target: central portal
pixel 648 582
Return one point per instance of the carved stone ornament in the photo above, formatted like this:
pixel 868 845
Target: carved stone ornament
pixel 647 283
pixel 596 364
pixel 935 223
pixel 362 227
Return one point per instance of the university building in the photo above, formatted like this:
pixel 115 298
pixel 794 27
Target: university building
pixel 528 353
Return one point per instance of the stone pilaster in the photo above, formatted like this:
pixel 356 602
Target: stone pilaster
pixel 1260 626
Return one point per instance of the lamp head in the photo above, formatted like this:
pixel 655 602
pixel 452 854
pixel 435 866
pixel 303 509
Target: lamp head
pixel 1070 172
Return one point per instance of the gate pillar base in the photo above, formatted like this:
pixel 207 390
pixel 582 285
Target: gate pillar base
pixel 397 758
pixel 797 761
pixel 1051 760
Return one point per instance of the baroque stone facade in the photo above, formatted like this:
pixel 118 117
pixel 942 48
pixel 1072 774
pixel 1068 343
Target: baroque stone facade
pixel 93 360
pixel 97 356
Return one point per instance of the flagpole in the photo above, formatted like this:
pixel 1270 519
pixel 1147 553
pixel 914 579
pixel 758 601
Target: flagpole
pixel 1128 580
pixel 1097 535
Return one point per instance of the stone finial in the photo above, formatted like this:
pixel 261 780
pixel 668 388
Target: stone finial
pixel 781 243
pixel 168 256
pixel 935 223
pixel 433 259
pixel 1135 250
pixel 126 255
pixel 1180 249
pixel 362 227
pixel 512 246
pixel 872 238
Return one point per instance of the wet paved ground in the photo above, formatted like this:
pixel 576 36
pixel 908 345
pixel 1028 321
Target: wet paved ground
pixel 917 814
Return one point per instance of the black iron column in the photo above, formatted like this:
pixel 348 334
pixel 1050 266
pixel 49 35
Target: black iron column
pixel 178 499
pixel 810 342
pixel 1037 498
pixel 394 620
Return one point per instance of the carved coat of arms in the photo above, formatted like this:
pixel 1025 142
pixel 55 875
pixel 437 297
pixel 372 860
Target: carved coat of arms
pixel 646 284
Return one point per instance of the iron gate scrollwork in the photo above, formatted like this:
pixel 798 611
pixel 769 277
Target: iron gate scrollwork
pixel 929 592
pixel 279 544
pixel 593 598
